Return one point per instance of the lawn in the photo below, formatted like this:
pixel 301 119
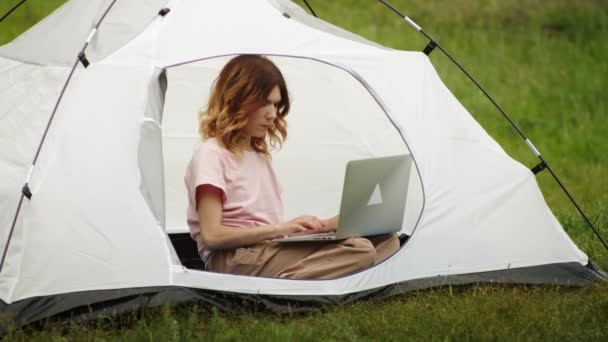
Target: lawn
pixel 546 64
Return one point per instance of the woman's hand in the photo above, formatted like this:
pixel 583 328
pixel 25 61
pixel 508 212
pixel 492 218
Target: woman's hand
pixel 289 228
pixel 309 222
pixel 301 225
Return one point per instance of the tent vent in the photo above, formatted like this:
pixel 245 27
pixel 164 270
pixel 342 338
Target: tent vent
pixel 83 59
pixel 429 48
pixel 163 12
pixel 286 15
pixel 538 168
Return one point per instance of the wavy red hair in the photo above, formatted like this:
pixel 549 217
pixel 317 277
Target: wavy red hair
pixel 242 87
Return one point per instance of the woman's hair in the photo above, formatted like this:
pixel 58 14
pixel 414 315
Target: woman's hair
pixel 242 87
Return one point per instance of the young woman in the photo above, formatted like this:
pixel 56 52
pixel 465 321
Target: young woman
pixel 235 206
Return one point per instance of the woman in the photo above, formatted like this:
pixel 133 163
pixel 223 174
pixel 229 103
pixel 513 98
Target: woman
pixel 235 206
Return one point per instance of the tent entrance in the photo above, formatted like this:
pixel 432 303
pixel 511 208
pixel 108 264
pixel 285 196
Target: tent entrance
pixel 335 117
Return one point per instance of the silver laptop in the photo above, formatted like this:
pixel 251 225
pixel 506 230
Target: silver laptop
pixel 373 199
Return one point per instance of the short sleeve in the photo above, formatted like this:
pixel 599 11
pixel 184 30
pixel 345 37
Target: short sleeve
pixel 206 167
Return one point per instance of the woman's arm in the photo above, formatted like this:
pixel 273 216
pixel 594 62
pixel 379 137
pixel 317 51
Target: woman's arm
pixel 214 235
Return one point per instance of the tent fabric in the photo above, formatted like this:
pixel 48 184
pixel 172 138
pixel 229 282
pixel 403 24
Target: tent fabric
pixel 296 13
pixel 108 186
pixel 58 38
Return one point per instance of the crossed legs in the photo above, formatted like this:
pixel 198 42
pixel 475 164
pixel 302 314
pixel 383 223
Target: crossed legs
pixel 305 260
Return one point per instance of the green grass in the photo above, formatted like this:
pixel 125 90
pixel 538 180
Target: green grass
pixel 546 63
pixel 24 16
pixel 477 312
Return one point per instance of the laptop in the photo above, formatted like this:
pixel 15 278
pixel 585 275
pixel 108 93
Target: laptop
pixel 373 199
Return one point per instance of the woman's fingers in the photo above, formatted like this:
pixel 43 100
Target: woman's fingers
pixel 309 222
pixel 314 223
pixel 298 228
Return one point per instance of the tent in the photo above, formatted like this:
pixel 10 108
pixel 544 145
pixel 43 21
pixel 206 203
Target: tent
pixel 105 226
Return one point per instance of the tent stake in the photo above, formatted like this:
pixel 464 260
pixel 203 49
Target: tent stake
pixel 543 162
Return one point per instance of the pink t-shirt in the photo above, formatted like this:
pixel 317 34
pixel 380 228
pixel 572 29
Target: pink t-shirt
pixel 251 191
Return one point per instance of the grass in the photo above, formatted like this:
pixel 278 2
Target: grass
pixel 546 63
pixel 477 312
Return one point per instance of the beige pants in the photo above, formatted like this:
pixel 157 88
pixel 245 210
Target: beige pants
pixel 304 260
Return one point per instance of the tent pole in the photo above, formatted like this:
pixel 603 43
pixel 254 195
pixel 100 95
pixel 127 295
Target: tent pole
pixel 543 163
pixel 25 191
pixel 14 8
pixel 310 8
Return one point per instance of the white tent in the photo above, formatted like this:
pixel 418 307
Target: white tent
pixel 107 188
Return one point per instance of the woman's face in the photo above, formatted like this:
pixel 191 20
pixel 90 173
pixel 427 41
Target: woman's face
pixel 262 119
